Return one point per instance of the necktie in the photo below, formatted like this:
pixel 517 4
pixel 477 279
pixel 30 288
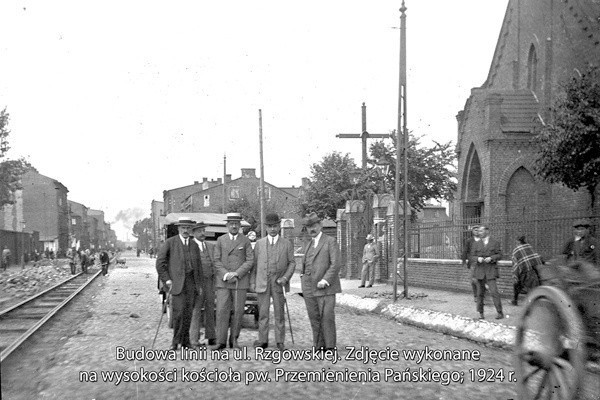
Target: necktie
pixel 186 243
pixel 202 246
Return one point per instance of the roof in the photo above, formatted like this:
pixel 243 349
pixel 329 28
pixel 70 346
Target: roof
pixel 211 219
pixel 519 110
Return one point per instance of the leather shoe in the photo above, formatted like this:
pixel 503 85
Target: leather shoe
pixel 235 345
pixel 218 346
pixel 361 286
pixel 514 302
pixel 173 347
pixel 260 344
pixel 481 316
pixel 212 342
pixel 369 285
pixel 280 347
pixel 500 316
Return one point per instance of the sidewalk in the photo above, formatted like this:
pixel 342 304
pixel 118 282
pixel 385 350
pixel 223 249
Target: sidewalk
pixel 447 312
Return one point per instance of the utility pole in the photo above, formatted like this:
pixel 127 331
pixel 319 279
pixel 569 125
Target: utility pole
pixel 224 183
pixel 262 177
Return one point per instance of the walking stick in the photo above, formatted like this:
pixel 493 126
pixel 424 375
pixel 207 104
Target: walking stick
pixel 162 313
pixel 288 314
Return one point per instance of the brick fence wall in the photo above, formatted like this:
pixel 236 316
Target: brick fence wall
pixel 451 275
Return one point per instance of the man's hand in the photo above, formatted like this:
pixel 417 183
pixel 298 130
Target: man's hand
pixel 488 260
pixel 322 284
pixel 231 276
pixel 480 260
pixel 169 283
pixel 282 281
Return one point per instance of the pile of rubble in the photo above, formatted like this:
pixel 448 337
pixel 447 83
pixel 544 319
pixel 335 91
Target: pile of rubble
pixel 22 283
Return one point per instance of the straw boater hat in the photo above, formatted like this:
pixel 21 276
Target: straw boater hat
pixel 200 224
pixel 311 219
pixel 272 219
pixel 185 221
pixel 370 237
pixel 234 217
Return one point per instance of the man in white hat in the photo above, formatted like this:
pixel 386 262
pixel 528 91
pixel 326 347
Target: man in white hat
pixel 370 256
pixel 178 267
pixel 233 260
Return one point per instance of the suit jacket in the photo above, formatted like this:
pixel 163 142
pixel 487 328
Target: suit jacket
pixel 233 256
pixel 492 250
pixel 587 250
pixel 170 266
pixel 325 265
pixel 208 271
pixel 468 249
pixel 286 264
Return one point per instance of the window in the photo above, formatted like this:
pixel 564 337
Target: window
pixel 267 192
pixel 73 221
pixel 234 192
pixel 532 69
pixel 206 200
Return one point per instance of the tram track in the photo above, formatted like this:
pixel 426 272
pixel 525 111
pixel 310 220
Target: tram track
pixel 19 322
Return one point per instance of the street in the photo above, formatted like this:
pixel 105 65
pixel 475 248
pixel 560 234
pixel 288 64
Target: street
pixel 102 349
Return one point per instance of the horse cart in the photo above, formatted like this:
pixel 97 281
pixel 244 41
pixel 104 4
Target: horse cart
pixel 558 335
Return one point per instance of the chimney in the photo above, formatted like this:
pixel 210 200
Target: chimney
pixel 196 182
pixel 219 181
pixel 204 179
pixel 305 183
pixel 248 172
pixel 227 178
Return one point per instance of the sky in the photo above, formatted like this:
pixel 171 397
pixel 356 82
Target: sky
pixel 120 100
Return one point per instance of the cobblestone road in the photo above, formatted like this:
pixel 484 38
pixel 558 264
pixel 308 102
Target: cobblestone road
pixel 125 312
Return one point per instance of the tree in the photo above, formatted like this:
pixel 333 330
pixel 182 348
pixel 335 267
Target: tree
pixel 569 145
pixel 142 230
pixel 10 170
pixel 330 181
pixel 250 210
pixel 431 170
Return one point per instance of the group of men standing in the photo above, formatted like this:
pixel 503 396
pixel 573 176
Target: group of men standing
pixel 197 273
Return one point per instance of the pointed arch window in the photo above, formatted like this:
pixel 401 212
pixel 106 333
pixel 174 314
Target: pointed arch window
pixel 532 62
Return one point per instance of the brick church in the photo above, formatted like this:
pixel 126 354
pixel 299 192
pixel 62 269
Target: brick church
pixel 541 44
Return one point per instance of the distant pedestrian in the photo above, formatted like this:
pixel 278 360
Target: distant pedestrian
pixel 369 260
pixel 84 261
pixel 524 270
pixel 485 255
pixel 104 262
pixel 582 246
pixel 5 258
pixel 466 258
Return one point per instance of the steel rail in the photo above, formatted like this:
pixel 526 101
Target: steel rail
pixel 14 345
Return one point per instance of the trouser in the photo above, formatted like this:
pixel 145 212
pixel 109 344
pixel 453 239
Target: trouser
pixel 474 283
pixel 493 290
pixel 321 313
pixel 73 268
pixel 84 267
pixel 206 301
pixel 226 301
pixel 104 269
pixel 264 302
pixel 183 305
pixel 368 272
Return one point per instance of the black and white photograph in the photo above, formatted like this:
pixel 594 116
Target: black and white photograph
pixel 391 199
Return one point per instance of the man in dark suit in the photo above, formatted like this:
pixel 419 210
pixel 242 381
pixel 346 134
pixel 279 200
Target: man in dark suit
pixel 320 282
pixel 234 259
pixel 206 299
pixel 274 266
pixel 582 246
pixel 484 256
pixel 466 261
pixel 178 266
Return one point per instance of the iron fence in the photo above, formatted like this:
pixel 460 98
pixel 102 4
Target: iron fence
pixel 445 240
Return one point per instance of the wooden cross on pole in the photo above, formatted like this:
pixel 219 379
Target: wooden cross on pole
pixel 364 136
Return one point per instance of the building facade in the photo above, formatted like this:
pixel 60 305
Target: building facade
pixel 173 198
pixel 79 233
pixel 46 210
pixel 157 217
pixel 540 45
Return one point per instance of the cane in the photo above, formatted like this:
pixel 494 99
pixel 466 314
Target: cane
pixel 162 313
pixel 288 315
pixel 235 313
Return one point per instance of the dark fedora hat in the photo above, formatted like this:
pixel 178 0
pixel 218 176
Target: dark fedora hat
pixel 185 221
pixel 199 225
pixel 311 219
pixel 272 219
pixel 233 216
